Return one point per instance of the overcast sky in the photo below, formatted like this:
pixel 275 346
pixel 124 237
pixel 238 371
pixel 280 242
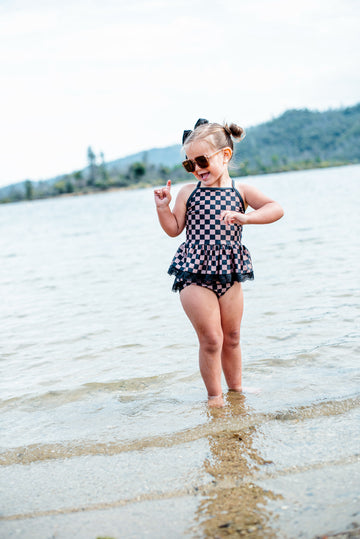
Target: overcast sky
pixel 126 76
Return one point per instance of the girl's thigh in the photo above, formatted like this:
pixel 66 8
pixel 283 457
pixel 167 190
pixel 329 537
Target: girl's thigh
pixel 231 306
pixel 202 308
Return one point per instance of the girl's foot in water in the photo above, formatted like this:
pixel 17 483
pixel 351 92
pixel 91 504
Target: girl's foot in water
pixel 244 389
pixel 216 402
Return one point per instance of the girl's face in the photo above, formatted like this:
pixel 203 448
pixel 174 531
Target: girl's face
pixel 216 174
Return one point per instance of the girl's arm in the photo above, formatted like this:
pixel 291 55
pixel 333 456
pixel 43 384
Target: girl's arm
pixel 265 210
pixel 173 222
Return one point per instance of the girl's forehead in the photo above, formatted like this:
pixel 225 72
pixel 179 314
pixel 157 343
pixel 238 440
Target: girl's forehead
pixel 198 147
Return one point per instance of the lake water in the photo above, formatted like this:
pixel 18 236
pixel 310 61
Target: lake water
pixel 105 429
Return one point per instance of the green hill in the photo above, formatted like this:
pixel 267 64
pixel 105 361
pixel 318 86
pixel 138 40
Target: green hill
pixel 303 135
pixel 168 157
pixel 296 136
pixel 295 140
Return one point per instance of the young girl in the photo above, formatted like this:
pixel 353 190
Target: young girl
pixel 211 264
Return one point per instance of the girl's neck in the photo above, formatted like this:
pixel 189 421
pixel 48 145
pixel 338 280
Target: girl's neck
pixel 223 181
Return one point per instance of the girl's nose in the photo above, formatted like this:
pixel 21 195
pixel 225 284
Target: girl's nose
pixel 198 169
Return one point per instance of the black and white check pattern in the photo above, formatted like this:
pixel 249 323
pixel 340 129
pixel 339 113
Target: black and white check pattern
pixel 203 216
pixel 213 251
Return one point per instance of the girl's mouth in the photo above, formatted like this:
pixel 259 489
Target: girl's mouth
pixel 204 176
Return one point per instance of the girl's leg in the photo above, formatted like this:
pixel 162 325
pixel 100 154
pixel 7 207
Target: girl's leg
pixel 202 307
pixel 231 311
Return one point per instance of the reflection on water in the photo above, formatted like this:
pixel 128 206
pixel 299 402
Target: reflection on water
pixel 236 505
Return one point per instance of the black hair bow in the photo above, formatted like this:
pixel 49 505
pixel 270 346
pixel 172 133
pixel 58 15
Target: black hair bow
pixel 188 132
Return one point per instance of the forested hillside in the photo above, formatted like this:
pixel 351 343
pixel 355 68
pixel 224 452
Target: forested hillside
pixel 303 136
pixel 296 136
pixel 295 140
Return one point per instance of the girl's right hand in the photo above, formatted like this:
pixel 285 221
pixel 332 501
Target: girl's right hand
pixel 163 196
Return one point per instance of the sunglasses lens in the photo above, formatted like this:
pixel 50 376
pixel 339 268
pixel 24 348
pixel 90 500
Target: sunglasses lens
pixel 202 161
pixel 188 165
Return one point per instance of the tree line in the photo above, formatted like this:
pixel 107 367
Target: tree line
pixel 96 177
pixel 296 140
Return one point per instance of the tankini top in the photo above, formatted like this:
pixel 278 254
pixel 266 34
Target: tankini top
pixel 213 251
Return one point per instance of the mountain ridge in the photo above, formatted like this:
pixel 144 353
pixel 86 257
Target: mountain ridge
pixel 298 138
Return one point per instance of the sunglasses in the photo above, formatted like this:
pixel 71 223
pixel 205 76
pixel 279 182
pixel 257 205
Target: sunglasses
pixel 201 161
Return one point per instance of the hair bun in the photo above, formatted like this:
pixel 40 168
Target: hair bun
pixel 235 131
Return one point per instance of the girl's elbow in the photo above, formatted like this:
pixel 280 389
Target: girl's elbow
pixel 278 211
pixel 173 233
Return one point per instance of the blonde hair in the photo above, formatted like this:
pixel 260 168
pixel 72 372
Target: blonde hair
pixel 220 136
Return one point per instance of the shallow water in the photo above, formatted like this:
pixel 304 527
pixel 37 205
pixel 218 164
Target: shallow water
pixel 104 423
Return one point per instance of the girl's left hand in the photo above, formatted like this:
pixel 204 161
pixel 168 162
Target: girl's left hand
pixel 231 217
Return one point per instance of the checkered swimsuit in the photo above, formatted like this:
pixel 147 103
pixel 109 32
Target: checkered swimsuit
pixel 212 254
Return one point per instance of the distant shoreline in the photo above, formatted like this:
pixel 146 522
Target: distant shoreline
pixel 146 185
pixel 298 139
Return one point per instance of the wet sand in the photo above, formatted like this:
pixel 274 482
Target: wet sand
pixel 224 479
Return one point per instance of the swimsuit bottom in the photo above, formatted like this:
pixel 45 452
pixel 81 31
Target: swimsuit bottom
pixel 218 288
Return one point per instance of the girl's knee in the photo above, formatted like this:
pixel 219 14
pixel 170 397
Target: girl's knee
pixel 232 338
pixel 211 342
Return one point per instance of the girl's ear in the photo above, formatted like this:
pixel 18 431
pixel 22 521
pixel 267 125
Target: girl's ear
pixel 227 154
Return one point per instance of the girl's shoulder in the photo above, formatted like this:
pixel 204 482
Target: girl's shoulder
pixel 248 193
pixel 183 196
pixel 186 190
pixel 241 188
pixel 252 196
pixel 246 188
pixel 188 187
